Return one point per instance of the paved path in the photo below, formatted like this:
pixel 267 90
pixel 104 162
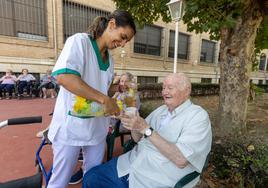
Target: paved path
pixel 18 144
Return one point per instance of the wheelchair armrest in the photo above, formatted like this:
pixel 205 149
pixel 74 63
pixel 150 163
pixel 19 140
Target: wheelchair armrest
pixel 129 145
pixel 34 181
pixel 186 179
pixel 190 177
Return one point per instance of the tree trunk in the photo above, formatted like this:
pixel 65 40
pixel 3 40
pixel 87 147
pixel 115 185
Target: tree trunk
pixel 237 48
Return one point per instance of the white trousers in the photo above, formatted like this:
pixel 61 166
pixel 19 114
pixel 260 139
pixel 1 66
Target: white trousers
pixel 65 160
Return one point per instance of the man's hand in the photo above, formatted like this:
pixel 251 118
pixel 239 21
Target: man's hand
pixel 134 123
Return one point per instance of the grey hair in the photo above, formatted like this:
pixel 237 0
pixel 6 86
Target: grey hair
pixel 183 82
pixel 129 76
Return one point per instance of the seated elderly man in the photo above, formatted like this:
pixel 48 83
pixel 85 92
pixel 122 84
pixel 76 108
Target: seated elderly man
pixel 173 141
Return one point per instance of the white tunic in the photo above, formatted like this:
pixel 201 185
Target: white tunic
pixel 80 56
pixel 188 126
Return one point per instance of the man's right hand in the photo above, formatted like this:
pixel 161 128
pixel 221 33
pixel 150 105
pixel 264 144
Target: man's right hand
pixel 110 107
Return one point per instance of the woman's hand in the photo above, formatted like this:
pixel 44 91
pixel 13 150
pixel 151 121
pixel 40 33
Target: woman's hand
pixel 110 107
pixel 116 95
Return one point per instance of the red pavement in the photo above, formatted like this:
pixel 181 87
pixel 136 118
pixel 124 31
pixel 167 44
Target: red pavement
pixel 18 144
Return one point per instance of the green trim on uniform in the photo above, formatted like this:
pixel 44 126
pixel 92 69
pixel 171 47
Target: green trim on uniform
pixel 82 117
pixel 102 65
pixel 65 71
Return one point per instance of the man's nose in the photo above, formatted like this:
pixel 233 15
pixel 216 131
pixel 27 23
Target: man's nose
pixel 164 92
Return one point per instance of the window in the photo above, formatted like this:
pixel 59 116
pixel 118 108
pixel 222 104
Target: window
pixel 207 51
pixel 262 62
pixel 260 82
pixel 77 18
pixel 24 19
pixel 148 40
pixel 147 79
pixel 183 45
pixel 206 80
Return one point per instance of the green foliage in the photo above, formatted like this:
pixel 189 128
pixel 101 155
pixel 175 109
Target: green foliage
pixel 256 59
pixel 258 90
pixel 210 15
pixel 200 15
pixel 148 106
pixel 153 91
pixel 241 164
pixel 154 86
pixel 261 41
pixel 147 11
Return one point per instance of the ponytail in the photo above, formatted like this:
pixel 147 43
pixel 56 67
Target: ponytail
pixel 98 27
pixel 122 19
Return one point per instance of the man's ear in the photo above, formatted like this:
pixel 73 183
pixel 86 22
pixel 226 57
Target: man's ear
pixel 111 24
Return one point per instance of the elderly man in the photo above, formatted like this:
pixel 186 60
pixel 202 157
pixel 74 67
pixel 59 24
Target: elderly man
pixel 173 141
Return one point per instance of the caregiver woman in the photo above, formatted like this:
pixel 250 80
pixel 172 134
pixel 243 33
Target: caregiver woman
pixel 84 71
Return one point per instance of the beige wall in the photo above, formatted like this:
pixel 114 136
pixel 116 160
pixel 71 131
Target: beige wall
pixel 38 56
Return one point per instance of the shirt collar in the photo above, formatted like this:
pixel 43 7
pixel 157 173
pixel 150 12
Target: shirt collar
pixel 177 110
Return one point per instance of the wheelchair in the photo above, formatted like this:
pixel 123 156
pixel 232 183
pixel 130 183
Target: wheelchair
pixel 34 181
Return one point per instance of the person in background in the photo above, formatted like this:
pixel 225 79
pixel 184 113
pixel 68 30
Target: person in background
pixel 124 83
pixel 25 81
pixel 48 85
pixel 84 71
pixel 8 82
pixel 173 141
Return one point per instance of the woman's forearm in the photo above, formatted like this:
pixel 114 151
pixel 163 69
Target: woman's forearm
pixel 71 83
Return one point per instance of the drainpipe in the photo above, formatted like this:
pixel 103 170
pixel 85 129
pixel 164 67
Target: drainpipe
pixel 55 30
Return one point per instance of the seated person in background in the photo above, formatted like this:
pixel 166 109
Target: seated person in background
pixel 48 84
pixel 25 81
pixel 173 141
pixel 124 81
pixel 8 83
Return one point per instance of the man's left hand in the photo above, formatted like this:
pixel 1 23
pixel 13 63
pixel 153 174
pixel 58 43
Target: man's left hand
pixel 134 123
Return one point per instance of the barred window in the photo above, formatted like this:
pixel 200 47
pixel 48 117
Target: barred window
pixel 262 62
pixel 206 80
pixel 183 45
pixel 148 40
pixel 146 79
pixel 77 18
pixel 24 18
pixel 207 51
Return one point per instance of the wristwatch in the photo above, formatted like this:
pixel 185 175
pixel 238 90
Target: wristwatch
pixel 148 132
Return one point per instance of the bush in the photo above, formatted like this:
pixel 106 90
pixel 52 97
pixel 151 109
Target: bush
pixel 243 165
pixel 153 91
pixel 148 106
pixel 262 88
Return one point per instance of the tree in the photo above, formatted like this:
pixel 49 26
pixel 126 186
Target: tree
pixel 236 23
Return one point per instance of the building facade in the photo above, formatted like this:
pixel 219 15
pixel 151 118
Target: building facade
pixel 33 32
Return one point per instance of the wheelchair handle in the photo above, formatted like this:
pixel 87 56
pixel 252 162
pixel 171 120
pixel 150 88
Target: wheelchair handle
pixel 22 120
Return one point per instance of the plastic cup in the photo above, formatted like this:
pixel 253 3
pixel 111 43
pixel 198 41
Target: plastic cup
pixel 131 111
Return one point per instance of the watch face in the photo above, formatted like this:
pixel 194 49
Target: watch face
pixel 148 132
